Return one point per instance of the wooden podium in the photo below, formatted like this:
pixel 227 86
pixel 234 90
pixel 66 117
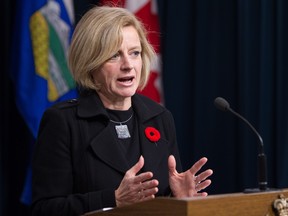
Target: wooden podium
pixel 258 204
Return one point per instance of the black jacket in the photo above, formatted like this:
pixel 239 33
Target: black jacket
pixel 77 166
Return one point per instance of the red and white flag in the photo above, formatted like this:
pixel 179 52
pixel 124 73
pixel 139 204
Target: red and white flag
pixel 146 11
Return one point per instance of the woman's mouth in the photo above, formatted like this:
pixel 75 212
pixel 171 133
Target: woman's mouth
pixel 126 79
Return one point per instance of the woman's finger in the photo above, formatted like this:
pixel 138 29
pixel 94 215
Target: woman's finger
pixel 172 165
pixel 202 176
pixel 202 185
pixel 136 168
pixel 198 165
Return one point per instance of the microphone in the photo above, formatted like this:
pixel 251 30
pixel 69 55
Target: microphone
pixel 223 105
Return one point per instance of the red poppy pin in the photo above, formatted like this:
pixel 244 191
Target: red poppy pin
pixel 152 134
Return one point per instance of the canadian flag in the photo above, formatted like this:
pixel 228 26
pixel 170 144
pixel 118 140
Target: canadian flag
pixel 146 11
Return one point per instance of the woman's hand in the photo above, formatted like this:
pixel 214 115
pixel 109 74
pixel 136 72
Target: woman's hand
pixel 135 188
pixel 188 184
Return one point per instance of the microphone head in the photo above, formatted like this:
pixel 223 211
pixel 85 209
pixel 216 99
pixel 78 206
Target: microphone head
pixel 221 104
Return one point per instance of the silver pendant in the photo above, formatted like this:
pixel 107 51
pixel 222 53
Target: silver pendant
pixel 122 131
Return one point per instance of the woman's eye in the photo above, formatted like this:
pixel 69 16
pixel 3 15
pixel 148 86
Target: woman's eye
pixel 115 56
pixel 136 53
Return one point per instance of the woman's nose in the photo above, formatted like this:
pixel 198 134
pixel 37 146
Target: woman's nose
pixel 126 64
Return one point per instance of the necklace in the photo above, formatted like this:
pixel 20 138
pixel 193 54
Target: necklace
pixel 122 129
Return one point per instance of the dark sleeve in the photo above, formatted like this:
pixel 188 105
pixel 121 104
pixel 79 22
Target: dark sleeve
pixel 52 170
pixel 170 126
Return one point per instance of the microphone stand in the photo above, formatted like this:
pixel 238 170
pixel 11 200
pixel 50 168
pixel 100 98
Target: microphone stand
pixel 223 105
pixel 262 162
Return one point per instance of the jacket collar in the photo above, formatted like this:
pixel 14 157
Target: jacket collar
pixel 90 105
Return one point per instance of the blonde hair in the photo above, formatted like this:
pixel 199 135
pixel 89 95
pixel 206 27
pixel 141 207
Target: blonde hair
pixel 97 37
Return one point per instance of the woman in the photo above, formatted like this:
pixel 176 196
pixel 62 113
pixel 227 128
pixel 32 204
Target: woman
pixel 111 147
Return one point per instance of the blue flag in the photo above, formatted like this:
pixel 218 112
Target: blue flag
pixel 42 34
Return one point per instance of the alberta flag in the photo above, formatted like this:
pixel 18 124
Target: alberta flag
pixel 41 37
pixel 147 12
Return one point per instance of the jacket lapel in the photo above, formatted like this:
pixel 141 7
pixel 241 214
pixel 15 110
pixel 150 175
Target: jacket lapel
pixel 103 144
pixel 153 153
pixel 105 147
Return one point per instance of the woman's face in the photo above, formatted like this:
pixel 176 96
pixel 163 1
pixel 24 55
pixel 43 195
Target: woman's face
pixel 120 75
